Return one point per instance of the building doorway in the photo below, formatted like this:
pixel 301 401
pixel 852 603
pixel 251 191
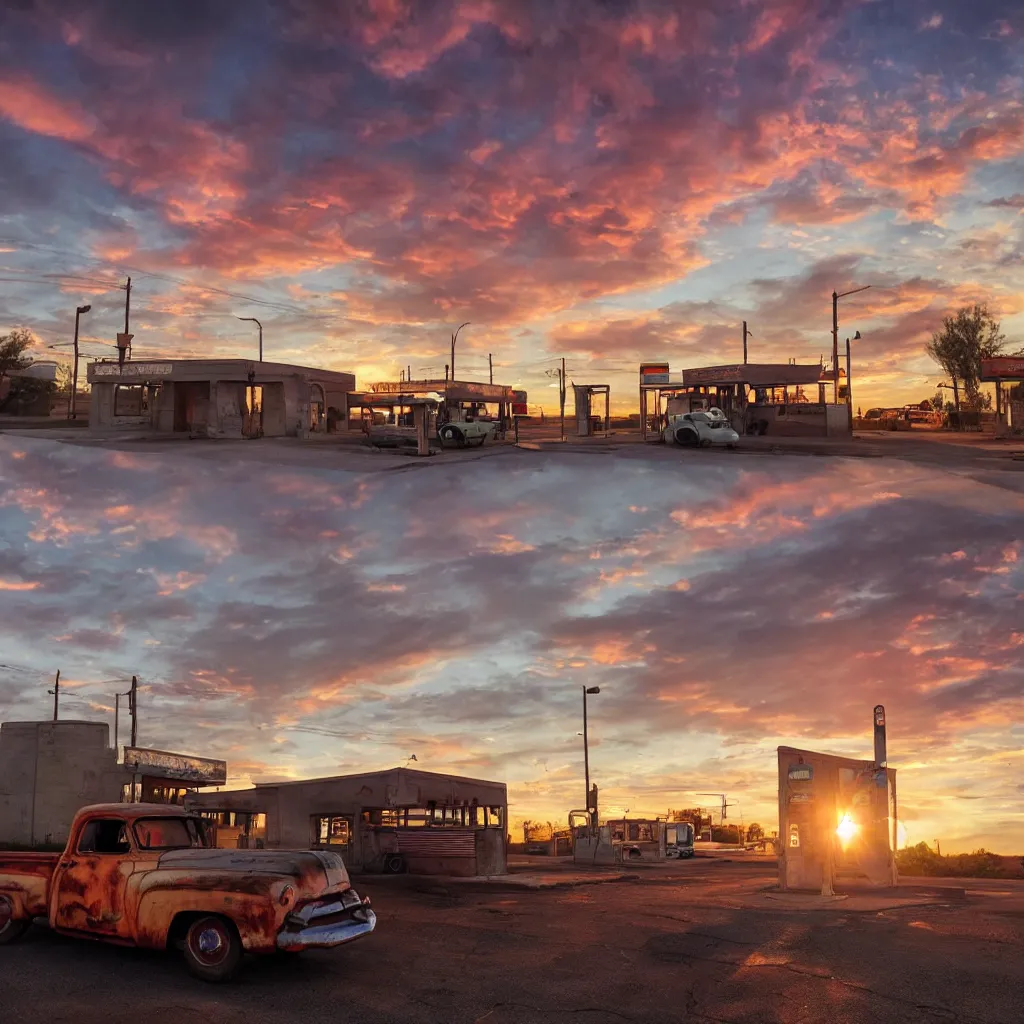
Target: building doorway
pixel 191 404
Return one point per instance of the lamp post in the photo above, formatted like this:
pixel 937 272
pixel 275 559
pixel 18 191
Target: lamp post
pixel 849 382
pixel 586 751
pixel 454 339
pixel 253 319
pixel 836 296
pixel 72 409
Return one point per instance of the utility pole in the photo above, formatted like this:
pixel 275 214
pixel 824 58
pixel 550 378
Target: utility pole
pixel 408 373
pixel 835 348
pixel 127 303
pixel 454 338
pixel 561 397
pixel 56 694
pixel 745 335
pixel 133 708
pixel 849 388
pixel 490 366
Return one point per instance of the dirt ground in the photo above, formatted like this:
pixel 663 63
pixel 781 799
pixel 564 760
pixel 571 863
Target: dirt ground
pixel 705 946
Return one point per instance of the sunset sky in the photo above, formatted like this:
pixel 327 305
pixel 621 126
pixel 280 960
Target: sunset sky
pixel 300 622
pixel 605 181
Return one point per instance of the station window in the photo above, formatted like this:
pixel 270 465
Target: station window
pixel 332 830
pixel 135 399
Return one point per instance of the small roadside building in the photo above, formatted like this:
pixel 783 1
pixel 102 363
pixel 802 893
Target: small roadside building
pixel 216 397
pixel 396 820
pixel 782 399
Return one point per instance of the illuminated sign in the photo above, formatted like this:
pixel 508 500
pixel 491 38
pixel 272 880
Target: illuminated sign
pixel 130 370
pixel 162 763
pixel 800 773
pixel 654 373
pixel 879 714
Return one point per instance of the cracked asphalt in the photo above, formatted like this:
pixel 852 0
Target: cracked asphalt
pixel 657 950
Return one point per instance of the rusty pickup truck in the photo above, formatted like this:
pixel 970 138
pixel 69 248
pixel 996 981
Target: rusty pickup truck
pixel 145 875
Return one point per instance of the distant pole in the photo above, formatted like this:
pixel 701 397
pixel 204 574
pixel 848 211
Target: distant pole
pixel 490 366
pixel 117 718
pixel 744 341
pixel 849 386
pixel 454 339
pixel 835 348
pixel 561 397
pixel 252 319
pixel 127 303
pixel 408 373
pixel 133 708
pixel 56 694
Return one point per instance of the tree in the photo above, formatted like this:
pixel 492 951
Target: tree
pixel 754 832
pixel 12 350
pixel 20 394
pixel 967 337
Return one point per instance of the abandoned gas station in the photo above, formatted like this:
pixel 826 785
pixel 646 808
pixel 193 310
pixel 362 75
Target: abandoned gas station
pixel 387 821
pixel 216 397
pixel 780 399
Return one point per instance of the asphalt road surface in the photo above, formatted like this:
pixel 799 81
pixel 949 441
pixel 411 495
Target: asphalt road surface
pixel 657 950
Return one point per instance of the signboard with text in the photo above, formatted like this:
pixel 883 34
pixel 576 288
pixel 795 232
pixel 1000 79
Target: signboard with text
pixel 148 371
pixel 1003 368
pixel 202 771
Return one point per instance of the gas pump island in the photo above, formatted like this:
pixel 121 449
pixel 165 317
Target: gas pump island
pixel 837 818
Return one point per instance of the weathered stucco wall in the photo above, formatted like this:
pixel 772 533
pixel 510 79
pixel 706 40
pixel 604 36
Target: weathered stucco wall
pixel 48 771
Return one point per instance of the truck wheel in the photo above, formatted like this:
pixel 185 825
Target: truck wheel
pixel 687 437
pixel 213 949
pixel 11 927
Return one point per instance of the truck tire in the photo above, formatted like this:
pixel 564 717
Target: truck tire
pixel 687 436
pixel 213 949
pixel 11 927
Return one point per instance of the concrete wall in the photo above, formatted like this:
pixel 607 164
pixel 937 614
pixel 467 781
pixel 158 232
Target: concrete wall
pixel 48 771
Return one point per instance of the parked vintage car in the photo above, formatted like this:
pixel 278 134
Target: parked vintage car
pixel 701 429
pixel 145 875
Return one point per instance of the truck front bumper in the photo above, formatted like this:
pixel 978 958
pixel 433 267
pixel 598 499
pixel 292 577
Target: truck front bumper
pixel 332 921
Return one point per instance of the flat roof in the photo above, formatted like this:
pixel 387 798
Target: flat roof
pixel 378 774
pixel 758 375
pixel 459 390
pixel 101 371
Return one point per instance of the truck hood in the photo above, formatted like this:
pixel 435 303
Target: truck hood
pixel 314 871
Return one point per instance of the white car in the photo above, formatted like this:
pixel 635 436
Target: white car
pixel 462 434
pixel 701 429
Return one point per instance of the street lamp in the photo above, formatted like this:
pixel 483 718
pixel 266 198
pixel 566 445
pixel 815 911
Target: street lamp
pixel 72 410
pixel 253 319
pixel 454 338
pixel 849 384
pixel 836 296
pixel 586 752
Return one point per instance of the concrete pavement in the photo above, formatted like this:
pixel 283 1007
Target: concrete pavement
pixel 661 951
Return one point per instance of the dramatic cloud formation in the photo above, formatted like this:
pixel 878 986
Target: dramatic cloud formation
pixel 304 621
pixel 619 180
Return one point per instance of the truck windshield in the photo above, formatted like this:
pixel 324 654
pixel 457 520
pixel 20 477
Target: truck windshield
pixel 170 834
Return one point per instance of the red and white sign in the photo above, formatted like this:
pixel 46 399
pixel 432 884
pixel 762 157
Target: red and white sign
pixel 654 373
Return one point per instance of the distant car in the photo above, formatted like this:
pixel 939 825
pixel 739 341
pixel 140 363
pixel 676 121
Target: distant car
pixel 701 429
